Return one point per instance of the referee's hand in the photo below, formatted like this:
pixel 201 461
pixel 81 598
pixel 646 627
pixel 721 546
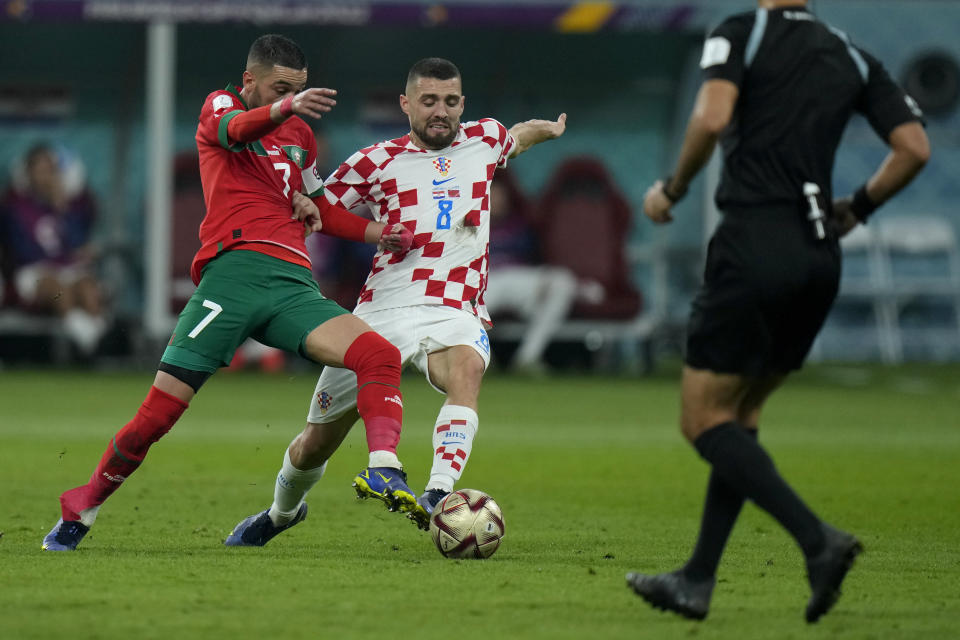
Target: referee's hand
pixel 843 220
pixel 656 205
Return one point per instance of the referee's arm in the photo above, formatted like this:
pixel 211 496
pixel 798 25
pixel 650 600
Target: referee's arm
pixel 909 152
pixel 712 112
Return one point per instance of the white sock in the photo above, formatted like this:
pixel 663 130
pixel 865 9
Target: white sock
pixel 291 488
pixel 384 458
pixel 452 442
pixel 87 516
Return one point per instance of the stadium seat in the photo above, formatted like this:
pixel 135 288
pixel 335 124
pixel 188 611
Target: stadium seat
pixel 901 275
pixel 583 221
pixel 860 325
pixel 921 263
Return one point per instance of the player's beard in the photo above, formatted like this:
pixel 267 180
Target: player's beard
pixel 437 141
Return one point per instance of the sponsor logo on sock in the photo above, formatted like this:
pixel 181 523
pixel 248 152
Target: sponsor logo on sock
pixel 283 482
pixel 117 478
pixel 396 400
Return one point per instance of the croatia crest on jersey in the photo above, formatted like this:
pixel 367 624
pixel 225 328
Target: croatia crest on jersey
pixel 442 164
pixel 324 399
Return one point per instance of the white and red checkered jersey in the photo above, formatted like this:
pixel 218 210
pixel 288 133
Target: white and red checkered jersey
pixel 443 197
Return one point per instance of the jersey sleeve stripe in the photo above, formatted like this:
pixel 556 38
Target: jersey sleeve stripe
pixel 222 136
pixel 756 37
pixel 854 54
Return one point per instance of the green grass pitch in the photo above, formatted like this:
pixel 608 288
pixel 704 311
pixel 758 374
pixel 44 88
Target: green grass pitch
pixel 592 475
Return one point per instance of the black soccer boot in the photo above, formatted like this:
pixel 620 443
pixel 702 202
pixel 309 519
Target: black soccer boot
pixel 674 592
pixel 827 569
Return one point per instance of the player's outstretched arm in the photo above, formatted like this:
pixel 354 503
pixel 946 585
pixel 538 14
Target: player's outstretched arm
pixel 251 125
pixel 340 223
pixel 311 103
pixel 534 132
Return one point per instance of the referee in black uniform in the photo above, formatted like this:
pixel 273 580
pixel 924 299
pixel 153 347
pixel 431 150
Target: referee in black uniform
pixel 779 88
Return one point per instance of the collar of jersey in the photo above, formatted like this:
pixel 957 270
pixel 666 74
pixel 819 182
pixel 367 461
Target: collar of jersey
pixel 233 89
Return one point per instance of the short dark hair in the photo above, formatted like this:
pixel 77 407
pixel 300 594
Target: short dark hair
pixel 274 49
pixel 437 68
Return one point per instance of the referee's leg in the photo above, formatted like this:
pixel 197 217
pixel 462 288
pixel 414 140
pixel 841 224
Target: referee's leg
pixel 720 414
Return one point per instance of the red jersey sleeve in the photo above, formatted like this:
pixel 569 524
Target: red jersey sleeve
pixel 218 109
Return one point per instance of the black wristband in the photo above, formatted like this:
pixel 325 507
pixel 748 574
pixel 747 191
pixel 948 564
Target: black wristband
pixel 671 196
pixel 862 206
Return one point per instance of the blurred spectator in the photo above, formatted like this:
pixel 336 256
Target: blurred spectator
pixel 519 283
pixel 46 221
pixel 583 221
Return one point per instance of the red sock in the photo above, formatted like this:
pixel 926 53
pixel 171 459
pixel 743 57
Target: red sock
pixel 379 402
pixel 125 452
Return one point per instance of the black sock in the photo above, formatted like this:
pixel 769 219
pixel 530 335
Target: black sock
pixel 744 465
pixel 721 507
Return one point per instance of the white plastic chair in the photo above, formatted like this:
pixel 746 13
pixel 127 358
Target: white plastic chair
pixel 864 284
pixel 920 259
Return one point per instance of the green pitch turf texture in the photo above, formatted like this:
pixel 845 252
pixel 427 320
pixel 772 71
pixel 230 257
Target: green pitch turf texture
pixel 592 474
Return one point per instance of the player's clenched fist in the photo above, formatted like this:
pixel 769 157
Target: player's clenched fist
pixel 656 205
pixel 309 102
pixel 307 212
pixel 396 238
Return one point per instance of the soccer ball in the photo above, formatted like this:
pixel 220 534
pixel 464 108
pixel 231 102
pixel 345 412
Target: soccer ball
pixel 467 524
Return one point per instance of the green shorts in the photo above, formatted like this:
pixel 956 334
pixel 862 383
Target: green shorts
pixel 245 294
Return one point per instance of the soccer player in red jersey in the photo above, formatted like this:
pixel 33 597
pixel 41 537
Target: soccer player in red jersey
pixel 253 275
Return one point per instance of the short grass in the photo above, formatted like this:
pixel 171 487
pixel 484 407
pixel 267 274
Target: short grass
pixel 592 475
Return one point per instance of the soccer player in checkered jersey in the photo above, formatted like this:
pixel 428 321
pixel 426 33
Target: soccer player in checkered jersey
pixel 428 301
pixel 253 277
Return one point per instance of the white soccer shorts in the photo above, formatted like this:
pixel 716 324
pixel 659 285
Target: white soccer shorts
pixel 416 332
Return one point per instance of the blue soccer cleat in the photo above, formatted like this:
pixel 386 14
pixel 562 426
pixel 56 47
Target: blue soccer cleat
pixel 258 529
pixel 388 485
pixel 65 536
pixel 426 503
pixel 431 498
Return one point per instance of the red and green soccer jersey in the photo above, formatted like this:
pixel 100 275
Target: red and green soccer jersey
pixel 248 187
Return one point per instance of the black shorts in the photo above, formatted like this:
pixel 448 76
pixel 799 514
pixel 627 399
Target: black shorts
pixel 768 286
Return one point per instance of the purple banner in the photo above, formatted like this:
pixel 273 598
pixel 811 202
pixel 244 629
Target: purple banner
pixel 662 16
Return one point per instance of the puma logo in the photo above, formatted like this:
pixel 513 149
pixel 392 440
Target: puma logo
pixel 396 400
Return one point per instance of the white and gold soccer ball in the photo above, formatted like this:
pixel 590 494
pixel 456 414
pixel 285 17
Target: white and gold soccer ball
pixel 467 524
